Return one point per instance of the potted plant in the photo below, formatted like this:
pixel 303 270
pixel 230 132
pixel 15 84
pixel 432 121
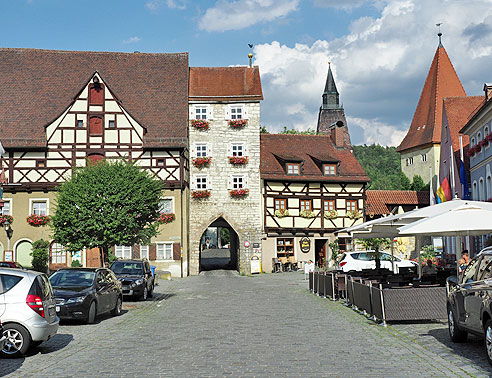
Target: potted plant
pixel 200 194
pixel 307 214
pixel 166 218
pixel 237 123
pixel 281 213
pixel 238 193
pixel 201 162
pixel 37 220
pixel 238 160
pixel 355 214
pixel 331 214
pixel 200 124
pixel 6 218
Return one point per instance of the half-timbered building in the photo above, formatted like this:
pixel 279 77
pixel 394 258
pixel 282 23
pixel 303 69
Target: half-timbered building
pixel 61 109
pixel 312 186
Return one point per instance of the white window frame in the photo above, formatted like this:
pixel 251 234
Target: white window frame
pixel 241 182
pixel 200 148
pixel 144 252
pixel 123 251
pixel 206 183
pixel 233 112
pixel 240 148
pixel 473 142
pixel 208 112
pixel 172 204
pixel 32 200
pixel 202 114
pixel 59 253
pixel 165 244
pixel 292 165
pixel 2 210
pixel 327 168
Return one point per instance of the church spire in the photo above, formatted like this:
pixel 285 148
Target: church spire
pixel 331 97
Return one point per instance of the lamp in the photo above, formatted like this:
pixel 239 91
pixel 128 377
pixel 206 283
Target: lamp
pixel 9 231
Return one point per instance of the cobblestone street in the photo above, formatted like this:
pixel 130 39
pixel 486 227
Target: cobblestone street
pixel 221 324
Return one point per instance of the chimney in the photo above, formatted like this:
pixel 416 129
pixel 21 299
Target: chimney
pixel 487 88
pixel 337 134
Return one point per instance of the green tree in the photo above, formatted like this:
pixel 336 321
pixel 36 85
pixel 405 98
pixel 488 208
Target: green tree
pixel 40 254
pixel 375 245
pixel 294 131
pixel 404 182
pixel 225 236
pixel 335 250
pixel 106 204
pixel 418 183
pixel 263 130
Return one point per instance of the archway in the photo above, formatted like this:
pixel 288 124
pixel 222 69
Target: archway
pixel 219 246
pixel 23 253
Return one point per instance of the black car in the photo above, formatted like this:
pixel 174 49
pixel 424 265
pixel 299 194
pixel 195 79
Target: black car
pixel 470 301
pixel 136 277
pixel 84 293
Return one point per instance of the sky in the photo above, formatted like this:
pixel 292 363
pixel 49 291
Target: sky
pixel 380 50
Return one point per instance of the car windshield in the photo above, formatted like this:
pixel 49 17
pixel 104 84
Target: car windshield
pixel 72 278
pixel 126 267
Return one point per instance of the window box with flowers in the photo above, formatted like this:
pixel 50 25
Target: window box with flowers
pixel 6 218
pixel 471 151
pixel 200 124
pixel 201 162
pixel 483 143
pixel 237 123
pixel 307 214
pixel 354 214
pixel 239 193
pixel 331 214
pixel 281 213
pixel 200 194
pixel 37 220
pixel 166 218
pixel 238 160
pixel 478 148
pixel 488 137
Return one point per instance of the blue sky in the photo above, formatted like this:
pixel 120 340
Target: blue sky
pixel 381 49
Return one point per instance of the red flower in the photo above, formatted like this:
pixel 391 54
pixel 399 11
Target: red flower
pixel 237 123
pixel 5 218
pixel 166 217
pixel 200 124
pixel 202 162
pixel 199 194
pixel 238 160
pixel 239 193
pixel 37 220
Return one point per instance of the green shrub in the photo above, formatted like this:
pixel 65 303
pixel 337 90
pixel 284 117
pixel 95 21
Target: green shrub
pixel 76 264
pixel 40 254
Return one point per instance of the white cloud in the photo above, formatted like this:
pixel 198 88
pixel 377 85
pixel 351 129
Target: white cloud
pixel 176 4
pixel 132 40
pixel 379 66
pixel 345 4
pixel 155 5
pixel 240 14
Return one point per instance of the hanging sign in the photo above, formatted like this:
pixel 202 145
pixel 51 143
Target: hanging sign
pixel 305 244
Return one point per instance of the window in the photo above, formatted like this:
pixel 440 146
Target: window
pixel 123 251
pixel 424 157
pixel 479 137
pixel 306 205
pixel 329 205
pixel 7 282
pixel 112 124
pixel 164 251
pixel 166 205
pixel 200 112
pixel 237 182
pixel 351 205
pixel 6 209
pixel 161 162
pixel 470 270
pixel 201 182
pixel 285 247
pixel 201 150
pixel 58 254
pixel 410 160
pixel 330 169
pixel 472 142
pixel 39 207
pixel 41 163
pixel 144 252
pixel 236 112
pixel 280 204
pixel 346 244
pixel 237 149
pixel 481 190
pixel 80 123
pixel 95 125
pixel 293 168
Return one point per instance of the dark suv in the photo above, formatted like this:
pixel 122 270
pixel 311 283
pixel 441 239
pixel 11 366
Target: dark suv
pixel 470 301
pixel 136 277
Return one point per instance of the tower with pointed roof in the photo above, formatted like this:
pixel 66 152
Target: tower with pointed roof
pixel 331 117
pixel 420 149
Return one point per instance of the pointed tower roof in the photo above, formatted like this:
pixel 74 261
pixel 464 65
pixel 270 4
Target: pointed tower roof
pixel 442 81
pixel 331 97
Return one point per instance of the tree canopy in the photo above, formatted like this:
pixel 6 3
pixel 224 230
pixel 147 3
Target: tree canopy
pixel 106 204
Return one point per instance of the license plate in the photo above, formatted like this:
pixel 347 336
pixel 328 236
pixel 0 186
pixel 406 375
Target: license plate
pixel 57 308
pixel 126 288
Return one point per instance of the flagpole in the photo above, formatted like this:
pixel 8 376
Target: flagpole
pixel 451 163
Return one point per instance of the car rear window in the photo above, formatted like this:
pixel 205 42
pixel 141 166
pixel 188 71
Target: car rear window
pixel 41 287
pixel 355 256
pixel 127 267
pixel 8 281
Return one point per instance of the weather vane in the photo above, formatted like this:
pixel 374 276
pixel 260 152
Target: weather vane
pixel 439 34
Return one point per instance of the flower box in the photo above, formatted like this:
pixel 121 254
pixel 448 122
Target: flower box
pixel 471 152
pixel 200 194
pixel 37 220
pixel 307 214
pixel 281 213
pixel 202 162
pixel 166 217
pixel 488 137
pixel 478 148
pixel 356 214
pixel 237 123
pixel 238 160
pixel 331 214
pixel 238 193
pixel 6 218
pixel 200 124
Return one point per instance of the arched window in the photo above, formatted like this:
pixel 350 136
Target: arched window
pixel 481 191
pixel 472 142
pixel 479 137
pixel 489 187
pixel 474 191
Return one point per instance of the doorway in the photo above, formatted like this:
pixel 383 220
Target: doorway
pixel 219 246
pixel 320 252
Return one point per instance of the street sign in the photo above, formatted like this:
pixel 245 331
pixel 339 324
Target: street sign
pixel 246 244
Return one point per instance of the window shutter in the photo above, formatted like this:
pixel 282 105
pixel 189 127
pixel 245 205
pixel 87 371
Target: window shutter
pixel 229 149
pixel 176 251
pixel 193 182
pixel 192 112
pixel 245 113
pixel 228 113
pixel 152 252
pixel 229 183
pixel 245 181
pixel 210 112
pixel 209 182
pixel 209 149
pixel 193 150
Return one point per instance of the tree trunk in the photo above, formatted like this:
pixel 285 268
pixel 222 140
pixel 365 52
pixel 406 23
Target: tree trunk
pixel 377 258
pixel 101 256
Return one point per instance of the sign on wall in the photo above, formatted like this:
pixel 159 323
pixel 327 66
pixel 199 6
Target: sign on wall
pixel 305 244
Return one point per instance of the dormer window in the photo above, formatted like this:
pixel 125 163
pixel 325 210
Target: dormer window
pixel 329 169
pixel 293 168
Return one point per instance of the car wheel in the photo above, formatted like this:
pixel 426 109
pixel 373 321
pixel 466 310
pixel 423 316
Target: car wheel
pixel 456 334
pixel 18 341
pixel 91 315
pixel 145 294
pixel 116 311
pixel 151 291
pixel 488 340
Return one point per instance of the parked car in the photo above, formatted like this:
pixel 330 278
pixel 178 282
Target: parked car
pixel 27 310
pixel 3 338
pixel 136 277
pixel 356 261
pixel 84 293
pixel 10 264
pixel 469 302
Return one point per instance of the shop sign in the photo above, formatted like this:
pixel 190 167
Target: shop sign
pixel 8 256
pixel 255 264
pixel 305 244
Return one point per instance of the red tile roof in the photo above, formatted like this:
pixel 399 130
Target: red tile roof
pixel 380 202
pixel 313 151
pixel 442 81
pixel 38 85
pixel 225 84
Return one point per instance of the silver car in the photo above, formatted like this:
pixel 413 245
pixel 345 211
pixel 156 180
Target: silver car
pixel 27 310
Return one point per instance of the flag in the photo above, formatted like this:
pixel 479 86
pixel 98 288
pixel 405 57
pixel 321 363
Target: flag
pixel 432 198
pixel 441 197
pixel 464 181
pixel 444 191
